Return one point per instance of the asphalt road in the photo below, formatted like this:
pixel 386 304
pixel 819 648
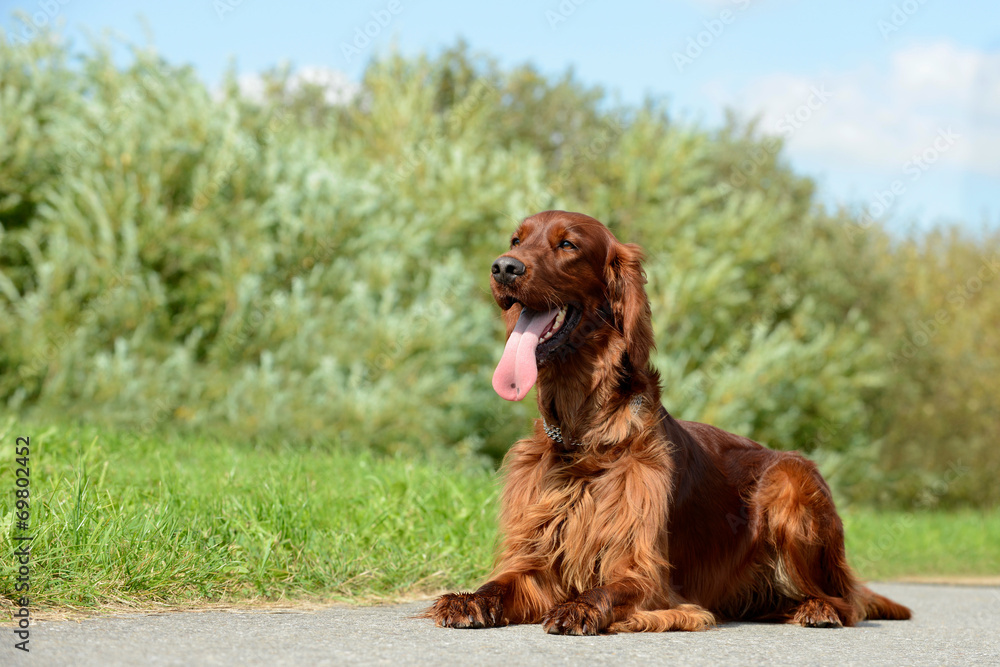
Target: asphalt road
pixel 952 626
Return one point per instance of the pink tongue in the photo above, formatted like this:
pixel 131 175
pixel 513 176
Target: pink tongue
pixel 517 371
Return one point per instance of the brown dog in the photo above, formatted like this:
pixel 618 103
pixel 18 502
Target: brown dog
pixel 615 516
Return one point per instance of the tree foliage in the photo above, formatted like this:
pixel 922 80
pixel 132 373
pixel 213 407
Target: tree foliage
pixel 173 256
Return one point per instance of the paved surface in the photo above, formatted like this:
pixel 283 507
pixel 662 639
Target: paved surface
pixel 952 626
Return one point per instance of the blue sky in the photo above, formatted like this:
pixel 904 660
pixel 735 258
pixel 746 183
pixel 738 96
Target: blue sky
pixel 877 99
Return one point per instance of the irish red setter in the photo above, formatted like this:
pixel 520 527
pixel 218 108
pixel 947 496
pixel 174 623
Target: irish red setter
pixel 614 515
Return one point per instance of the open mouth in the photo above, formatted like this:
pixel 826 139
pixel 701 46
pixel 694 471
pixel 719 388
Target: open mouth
pixel 558 332
pixel 532 342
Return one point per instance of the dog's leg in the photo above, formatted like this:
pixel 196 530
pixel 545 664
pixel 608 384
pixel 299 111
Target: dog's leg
pixel 802 527
pixel 507 599
pixel 613 608
pixel 482 609
pixel 684 617
pixel 594 610
pixel 816 613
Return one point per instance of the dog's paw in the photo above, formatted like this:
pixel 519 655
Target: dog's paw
pixel 817 614
pixel 467 610
pixel 573 618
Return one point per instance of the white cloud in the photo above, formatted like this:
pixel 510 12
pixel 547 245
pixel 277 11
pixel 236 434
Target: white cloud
pixel 337 87
pixel 880 117
pixel 936 70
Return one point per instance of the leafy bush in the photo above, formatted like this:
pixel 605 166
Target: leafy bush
pixel 940 411
pixel 174 257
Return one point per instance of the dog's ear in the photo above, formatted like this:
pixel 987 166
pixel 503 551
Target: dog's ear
pixel 625 279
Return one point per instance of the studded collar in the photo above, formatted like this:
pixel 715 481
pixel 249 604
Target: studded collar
pixel 555 433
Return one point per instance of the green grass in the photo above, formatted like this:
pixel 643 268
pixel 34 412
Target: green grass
pixel 119 519
pixel 890 545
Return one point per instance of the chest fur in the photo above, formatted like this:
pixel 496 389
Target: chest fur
pixel 587 527
pixel 583 531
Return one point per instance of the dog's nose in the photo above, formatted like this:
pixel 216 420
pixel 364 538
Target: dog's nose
pixel 507 269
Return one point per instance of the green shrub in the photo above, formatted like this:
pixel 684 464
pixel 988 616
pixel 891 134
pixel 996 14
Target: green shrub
pixel 177 258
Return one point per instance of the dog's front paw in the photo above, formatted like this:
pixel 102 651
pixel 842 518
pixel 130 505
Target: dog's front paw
pixel 817 614
pixel 573 618
pixel 467 610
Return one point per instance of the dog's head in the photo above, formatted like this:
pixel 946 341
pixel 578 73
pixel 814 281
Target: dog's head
pixel 566 282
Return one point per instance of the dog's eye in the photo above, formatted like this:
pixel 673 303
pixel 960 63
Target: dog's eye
pixel 515 241
pixel 567 245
